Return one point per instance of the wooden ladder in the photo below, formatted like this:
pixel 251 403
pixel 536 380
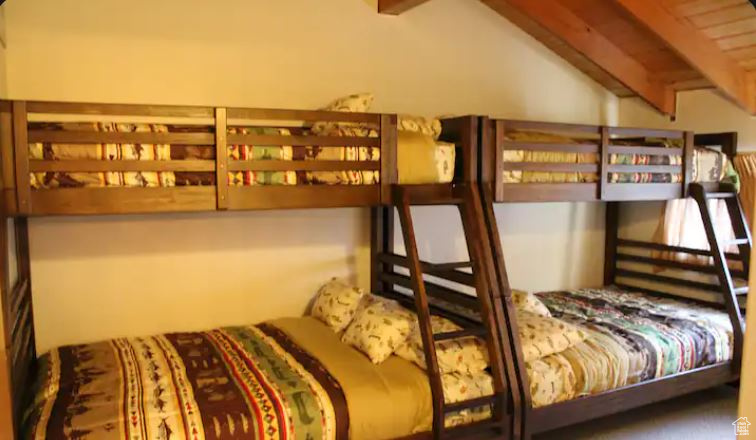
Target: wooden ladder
pixel 486 327
pixel 702 193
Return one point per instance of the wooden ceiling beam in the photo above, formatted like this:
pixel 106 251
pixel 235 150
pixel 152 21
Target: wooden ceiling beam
pixel 700 52
pixel 396 7
pixel 545 19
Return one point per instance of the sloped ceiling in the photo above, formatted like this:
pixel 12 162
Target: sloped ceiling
pixel 646 48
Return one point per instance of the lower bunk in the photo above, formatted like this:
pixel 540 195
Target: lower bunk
pixel 286 378
pixel 593 352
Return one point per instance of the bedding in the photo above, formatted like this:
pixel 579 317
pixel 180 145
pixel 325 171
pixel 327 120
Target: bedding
pixel 630 337
pixel 432 163
pixel 287 378
pixel 708 165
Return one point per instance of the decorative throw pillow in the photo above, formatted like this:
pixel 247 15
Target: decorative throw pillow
pixel 467 355
pixel 378 329
pixel 459 387
pixel 541 335
pixel 527 302
pixel 336 304
pixel 418 124
pixel 357 103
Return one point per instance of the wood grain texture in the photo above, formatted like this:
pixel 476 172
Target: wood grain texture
pixel 90 201
pixel 699 51
pixel 221 158
pixel 21 156
pixel 551 16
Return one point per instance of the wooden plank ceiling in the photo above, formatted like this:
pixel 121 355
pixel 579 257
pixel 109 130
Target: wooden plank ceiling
pixel 645 48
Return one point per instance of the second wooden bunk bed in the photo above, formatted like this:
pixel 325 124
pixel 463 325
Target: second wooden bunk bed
pixel 597 176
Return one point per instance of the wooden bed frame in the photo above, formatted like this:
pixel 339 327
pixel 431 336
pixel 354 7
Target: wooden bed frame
pixel 20 126
pixel 440 287
pixel 722 293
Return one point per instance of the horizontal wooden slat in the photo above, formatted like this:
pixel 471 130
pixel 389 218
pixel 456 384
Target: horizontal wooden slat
pixel 430 269
pixel 642 191
pixel 545 192
pixel 673 264
pixel 644 168
pixel 434 290
pixel 303 165
pixel 302 196
pixel 301 141
pixel 667 280
pixel 540 146
pixel 645 132
pixel 651 151
pixel 302 115
pixel 433 194
pixel 120 165
pixel 104 137
pixel 551 126
pixel 119 109
pixel 80 201
pixel 551 167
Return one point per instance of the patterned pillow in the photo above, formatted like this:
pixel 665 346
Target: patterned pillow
pixel 336 303
pixel 459 387
pixel 541 335
pixel 378 329
pixel 468 355
pixel 527 302
pixel 358 103
pixel 419 124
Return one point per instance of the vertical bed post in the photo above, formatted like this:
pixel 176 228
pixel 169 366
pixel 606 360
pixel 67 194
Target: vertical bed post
pixel 221 159
pixel 382 217
pixel 21 153
pixel 610 242
pixel 603 182
pixel 688 149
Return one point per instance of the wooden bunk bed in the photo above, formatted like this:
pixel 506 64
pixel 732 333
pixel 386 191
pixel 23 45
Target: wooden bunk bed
pixel 155 159
pixel 524 161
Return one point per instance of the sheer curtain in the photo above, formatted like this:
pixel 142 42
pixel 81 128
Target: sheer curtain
pixel 681 223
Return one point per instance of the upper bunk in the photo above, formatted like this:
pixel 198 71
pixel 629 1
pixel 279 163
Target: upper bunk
pixel 527 161
pixel 62 158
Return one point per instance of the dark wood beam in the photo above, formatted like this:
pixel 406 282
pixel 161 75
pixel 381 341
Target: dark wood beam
pixel 567 34
pixel 699 51
pixel 396 7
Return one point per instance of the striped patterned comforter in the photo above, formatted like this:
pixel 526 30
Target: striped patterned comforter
pixel 237 382
pixel 633 338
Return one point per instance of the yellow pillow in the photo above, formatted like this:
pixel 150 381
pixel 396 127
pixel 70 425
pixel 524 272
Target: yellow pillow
pixel 336 303
pixel 467 355
pixel 541 336
pixel 378 329
pixel 421 159
pixel 527 302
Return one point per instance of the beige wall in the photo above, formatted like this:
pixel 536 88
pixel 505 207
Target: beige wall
pixel 100 277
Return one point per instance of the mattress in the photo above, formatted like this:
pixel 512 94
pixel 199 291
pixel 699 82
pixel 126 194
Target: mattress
pixel 287 378
pixel 432 163
pixel 632 338
pixel 708 165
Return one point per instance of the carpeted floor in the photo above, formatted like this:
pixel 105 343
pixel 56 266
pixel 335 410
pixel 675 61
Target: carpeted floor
pixel 707 415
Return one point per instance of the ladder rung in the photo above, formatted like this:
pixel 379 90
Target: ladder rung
pixel 720 195
pixel 740 290
pixel 472 403
pixel 440 267
pixel 464 333
pixel 737 241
